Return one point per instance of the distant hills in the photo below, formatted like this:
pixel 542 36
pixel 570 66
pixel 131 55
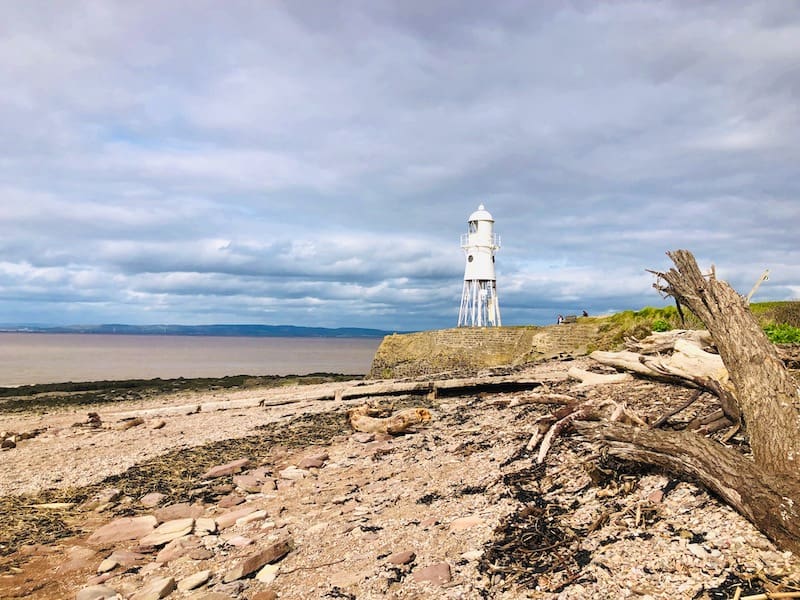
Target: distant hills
pixel 198 330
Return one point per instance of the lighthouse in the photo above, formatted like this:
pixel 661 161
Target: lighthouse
pixel 479 304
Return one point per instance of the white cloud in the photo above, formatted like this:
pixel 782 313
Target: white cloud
pixel 192 162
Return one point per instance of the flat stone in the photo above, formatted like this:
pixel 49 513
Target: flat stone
pixel 698 551
pixel 234 589
pixel 656 497
pixel 314 461
pixel 230 501
pixel 268 573
pixel 292 473
pixel 362 437
pixel 227 519
pixel 222 488
pixel 269 486
pixel 429 522
pixel 465 523
pixel 260 473
pixel 200 554
pixel 177 548
pixel 152 499
pixel 310 463
pixel 182 510
pixel 472 554
pixel 204 526
pixel 239 541
pixel 156 589
pixel 96 592
pixel 265 595
pixel 166 532
pixel 226 469
pixel 108 564
pixel 120 530
pixel 100 579
pixel 126 558
pixel 253 562
pixel 258 515
pixel 194 581
pixel 438 574
pixel 248 483
pixel 402 558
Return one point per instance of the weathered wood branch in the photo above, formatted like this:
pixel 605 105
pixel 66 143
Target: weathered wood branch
pixel 664 341
pixel 665 417
pixel 688 363
pixel 768 501
pixel 361 419
pixel 587 378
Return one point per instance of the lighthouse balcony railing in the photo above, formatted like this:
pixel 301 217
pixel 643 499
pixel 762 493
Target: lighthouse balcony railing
pixel 474 239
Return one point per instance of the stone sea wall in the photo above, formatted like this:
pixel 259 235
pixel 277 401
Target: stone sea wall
pixel 469 349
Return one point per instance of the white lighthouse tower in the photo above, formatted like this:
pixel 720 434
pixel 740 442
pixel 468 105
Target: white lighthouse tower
pixel 479 304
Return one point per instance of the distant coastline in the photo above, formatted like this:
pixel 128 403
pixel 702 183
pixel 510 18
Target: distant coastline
pixel 28 358
pixel 221 330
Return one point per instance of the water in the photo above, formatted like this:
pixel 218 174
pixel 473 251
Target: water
pixel 27 358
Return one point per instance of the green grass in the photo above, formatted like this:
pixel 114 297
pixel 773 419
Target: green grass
pixel 641 323
pixel 782 334
pixel 780 321
pixel 777 313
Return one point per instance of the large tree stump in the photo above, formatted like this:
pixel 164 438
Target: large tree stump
pixel 768 397
pixel 766 489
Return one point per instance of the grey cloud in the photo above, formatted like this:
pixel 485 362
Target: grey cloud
pixel 324 158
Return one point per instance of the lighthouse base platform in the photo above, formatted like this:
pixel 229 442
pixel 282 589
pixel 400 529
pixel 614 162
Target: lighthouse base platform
pixel 467 350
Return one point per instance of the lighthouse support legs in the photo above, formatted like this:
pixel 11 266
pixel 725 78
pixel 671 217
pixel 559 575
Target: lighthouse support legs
pixel 479 304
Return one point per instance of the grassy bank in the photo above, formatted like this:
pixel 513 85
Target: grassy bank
pixel 780 321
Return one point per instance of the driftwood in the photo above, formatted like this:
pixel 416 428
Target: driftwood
pixel 687 363
pixel 588 379
pixel 664 341
pixel 594 408
pixel 762 498
pixel 361 419
pixel 541 398
pixel 766 489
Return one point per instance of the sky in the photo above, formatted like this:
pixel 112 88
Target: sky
pixel 314 163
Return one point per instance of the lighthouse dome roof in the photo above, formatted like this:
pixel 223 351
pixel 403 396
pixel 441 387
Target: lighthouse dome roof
pixel 481 215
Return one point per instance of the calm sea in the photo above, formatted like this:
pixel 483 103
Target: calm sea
pixel 27 358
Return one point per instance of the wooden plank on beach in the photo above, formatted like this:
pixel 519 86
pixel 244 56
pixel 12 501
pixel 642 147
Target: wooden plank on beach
pixel 361 390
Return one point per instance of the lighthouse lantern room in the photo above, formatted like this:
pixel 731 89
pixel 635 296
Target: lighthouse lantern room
pixel 479 304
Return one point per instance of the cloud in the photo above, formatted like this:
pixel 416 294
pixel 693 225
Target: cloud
pixel 315 164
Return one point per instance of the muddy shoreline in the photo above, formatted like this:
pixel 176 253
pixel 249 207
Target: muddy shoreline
pixel 49 396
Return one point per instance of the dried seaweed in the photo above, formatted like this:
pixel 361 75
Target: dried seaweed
pixel 532 547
